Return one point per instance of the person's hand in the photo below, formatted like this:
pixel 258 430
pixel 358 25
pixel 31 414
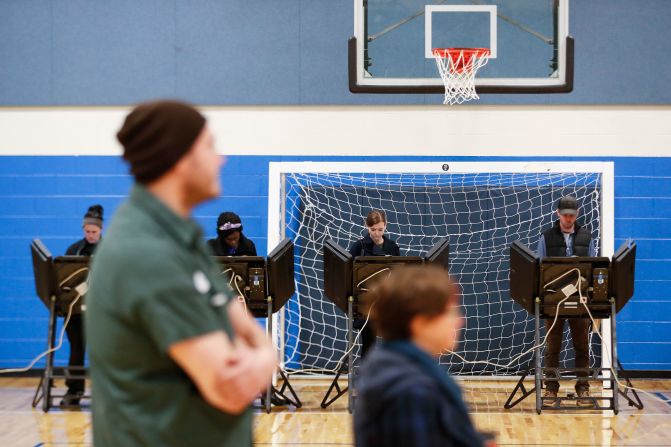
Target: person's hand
pixel 247 370
pixel 264 358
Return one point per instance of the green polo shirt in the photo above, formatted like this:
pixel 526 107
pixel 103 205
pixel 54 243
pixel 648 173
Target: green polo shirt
pixel 152 284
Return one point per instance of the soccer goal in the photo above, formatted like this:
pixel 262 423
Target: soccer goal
pixel 482 207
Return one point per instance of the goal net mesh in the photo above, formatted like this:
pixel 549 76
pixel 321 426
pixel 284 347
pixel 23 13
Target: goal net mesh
pixel 482 214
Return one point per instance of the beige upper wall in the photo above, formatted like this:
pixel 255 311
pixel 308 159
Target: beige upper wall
pixel 372 130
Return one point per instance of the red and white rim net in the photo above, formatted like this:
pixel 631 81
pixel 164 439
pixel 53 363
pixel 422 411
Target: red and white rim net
pixel 458 67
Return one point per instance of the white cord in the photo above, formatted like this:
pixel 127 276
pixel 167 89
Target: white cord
pixel 563 275
pixel 237 281
pixel 72 275
pixel 584 303
pixel 595 328
pixel 541 344
pixel 337 368
pixel 230 280
pixel 452 352
pixel 386 269
pixel 356 339
pixel 54 349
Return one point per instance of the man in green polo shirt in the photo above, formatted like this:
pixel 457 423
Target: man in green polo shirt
pixel 174 360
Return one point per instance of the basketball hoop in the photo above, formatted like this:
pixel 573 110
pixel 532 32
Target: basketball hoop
pixel 457 67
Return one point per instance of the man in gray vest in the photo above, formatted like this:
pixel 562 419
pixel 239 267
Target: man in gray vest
pixel 567 238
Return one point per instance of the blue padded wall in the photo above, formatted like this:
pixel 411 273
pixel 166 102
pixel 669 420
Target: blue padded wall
pixel 46 197
pixel 248 52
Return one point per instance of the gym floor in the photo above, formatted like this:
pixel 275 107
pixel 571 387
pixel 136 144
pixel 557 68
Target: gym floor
pixel 312 426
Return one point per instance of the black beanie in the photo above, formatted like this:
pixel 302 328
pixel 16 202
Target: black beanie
pixel 156 135
pixel 228 223
pixel 94 216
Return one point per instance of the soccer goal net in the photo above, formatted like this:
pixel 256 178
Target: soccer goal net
pixel 482 208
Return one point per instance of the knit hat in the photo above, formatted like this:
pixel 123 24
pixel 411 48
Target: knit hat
pixel 94 216
pixel 155 135
pixel 228 223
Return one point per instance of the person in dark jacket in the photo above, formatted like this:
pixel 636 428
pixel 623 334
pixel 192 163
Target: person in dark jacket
pixel 230 240
pixel 92 227
pixel 404 397
pixel 567 238
pixel 374 243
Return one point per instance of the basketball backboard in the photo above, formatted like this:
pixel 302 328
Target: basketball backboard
pixel 391 51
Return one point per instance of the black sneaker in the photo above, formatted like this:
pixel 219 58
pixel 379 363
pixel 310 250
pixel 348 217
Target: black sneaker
pixel 584 400
pixel 549 398
pixel 278 400
pixel 72 399
pixel 275 399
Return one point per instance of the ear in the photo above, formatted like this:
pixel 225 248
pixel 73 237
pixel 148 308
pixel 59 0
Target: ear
pixel 416 325
pixel 185 161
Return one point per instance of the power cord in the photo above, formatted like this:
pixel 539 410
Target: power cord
pixel 48 351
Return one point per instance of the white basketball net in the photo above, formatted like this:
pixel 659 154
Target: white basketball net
pixel 457 67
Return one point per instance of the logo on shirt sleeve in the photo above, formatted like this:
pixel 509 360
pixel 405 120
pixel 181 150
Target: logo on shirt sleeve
pixel 219 300
pixel 200 282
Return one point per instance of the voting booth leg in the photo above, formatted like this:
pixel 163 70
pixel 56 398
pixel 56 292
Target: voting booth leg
pixel 537 354
pixel 344 368
pixel 39 391
pixel 634 400
pixel 49 368
pixel 286 385
pixel 519 387
pixel 43 391
pixel 347 367
pixel 281 392
pixel 531 368
pixel 607 374
pixel 613 361
pixel 335 385
pixel 269 390
pixel 350 354
pixel 273 393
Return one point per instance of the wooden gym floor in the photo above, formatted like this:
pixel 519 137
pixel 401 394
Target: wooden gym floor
pixel 311 426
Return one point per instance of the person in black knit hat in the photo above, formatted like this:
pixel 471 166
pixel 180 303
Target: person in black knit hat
pixel 175 359
pixel 230 240
pixel 92 226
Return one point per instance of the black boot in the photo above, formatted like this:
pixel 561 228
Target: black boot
pixel 71 399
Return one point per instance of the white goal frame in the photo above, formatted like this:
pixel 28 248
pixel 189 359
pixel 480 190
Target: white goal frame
pixel 276 192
